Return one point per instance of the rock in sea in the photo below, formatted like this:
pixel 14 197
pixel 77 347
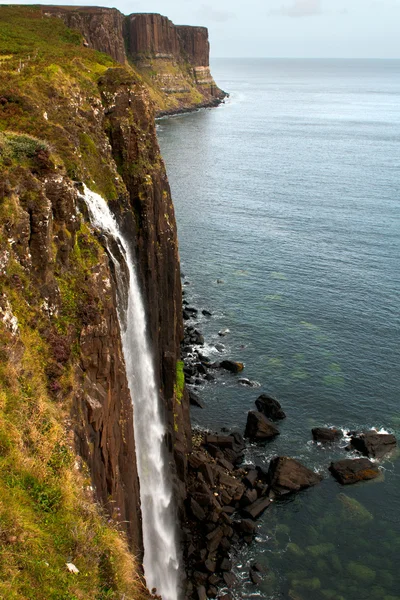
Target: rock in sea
pixel 287 475
pixel 258 427
pixel 352 470
pixel 374 444
pixel 270 407
pixel 326 434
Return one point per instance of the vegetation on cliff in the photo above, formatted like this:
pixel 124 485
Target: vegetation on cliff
pixel 57 315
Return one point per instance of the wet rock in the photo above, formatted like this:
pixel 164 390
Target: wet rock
pixel 246 382
pixel 248 498
pixel 219 347
pixel 255 576
pixel 326 434
pixel 257 508
pixel 195 400
pixel 229 579
pixel 206 313
pixel 270 407
pixel 223 332
pixel 201 593
pixel 287 475
pixel 225 597
pixel 350 471
pixel 232 366
pixel 251 478
pixel 226 565
pixel 374 444
pixel 210 565
pixel 221 441
pixel 245 527
pixel 258 427
pixel 209 377
pixel 197 511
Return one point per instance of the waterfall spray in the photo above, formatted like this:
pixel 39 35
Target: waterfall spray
pixel 161 563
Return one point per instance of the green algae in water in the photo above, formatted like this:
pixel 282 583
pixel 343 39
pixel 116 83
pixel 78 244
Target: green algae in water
pixel 320 549
pixel 354 511
pixel 360 572
pixel 299 373
pixel 278 275
pixel 276 363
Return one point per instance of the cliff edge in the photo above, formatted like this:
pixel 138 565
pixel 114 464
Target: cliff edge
pixel 172 59
pixel 69 491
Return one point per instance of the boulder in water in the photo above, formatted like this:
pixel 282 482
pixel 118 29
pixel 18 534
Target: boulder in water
pixel 326 434
pixel 232 366
pixel 349 470
pixel 258 427
pixel 374 444
pixel 270 407
pixel 287 475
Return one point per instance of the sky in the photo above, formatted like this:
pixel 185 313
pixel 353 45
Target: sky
pixel 281 28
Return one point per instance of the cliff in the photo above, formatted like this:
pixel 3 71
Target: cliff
pixel 172 60
pixel 69 114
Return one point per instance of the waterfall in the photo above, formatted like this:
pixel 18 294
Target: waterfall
pixel 161 561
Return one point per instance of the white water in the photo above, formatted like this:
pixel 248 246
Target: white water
pixel 161 563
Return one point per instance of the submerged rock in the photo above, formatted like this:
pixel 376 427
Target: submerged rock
pixel 374 444
pixel 326 434
pixel 258 427
pixel 270 407
pixel 349 470
pixel 287 475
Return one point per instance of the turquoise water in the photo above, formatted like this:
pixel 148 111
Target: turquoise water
pixel 289 194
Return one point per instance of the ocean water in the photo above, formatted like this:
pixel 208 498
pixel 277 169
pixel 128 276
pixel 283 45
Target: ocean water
pixel 287 200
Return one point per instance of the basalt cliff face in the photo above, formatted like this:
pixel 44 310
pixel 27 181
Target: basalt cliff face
pixel 68 116
pixel 172 59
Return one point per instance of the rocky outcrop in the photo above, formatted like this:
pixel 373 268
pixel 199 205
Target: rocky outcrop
pixel 102 28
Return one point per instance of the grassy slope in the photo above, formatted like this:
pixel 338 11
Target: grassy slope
pixel 47 513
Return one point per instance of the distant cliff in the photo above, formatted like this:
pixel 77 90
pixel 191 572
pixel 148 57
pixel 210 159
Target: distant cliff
pixel 173 59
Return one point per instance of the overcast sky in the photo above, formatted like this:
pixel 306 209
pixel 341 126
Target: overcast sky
pixel 282 28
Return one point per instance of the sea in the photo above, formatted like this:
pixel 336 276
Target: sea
pixel 287 200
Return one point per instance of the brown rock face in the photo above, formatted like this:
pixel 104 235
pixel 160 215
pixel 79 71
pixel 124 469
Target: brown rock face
pixel 102 28
pixel 155 244
pixel 151 34
pixel 195 44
